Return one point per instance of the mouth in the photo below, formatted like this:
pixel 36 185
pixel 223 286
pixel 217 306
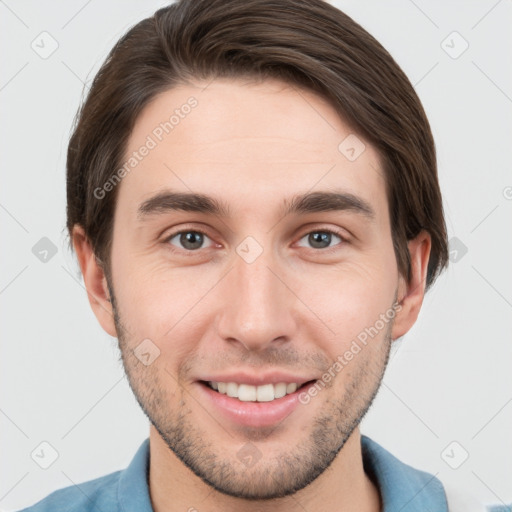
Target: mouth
pixel 243 398
pixel 247 409
pixel 249 393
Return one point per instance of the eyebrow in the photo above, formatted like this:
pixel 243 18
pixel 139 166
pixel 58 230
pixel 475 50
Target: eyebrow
pixel 311 202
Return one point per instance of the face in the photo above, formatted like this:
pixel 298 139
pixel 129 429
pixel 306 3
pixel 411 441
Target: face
pixel 265 289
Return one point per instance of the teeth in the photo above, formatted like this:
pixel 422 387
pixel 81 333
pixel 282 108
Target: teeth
pixel 265 393
pixel 231 389
pixel 248 393
pixel 290 388
pixel 279 390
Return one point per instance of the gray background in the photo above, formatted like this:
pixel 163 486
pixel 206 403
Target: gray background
pixel 447 393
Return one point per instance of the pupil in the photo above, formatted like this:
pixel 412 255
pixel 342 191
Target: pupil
pixel 191 240
pixel 319 238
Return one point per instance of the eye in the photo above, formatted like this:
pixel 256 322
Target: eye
pixel 190 240
pixel 321 239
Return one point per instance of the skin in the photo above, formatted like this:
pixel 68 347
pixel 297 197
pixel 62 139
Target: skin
pixel 294 308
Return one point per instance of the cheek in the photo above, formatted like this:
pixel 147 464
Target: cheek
pixel 350 297
pixel 351 303
pixel 160 303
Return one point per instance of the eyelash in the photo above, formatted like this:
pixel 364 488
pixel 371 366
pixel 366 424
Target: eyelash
pixel 193 252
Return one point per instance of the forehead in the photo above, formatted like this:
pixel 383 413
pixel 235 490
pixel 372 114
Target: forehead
pixel 246 142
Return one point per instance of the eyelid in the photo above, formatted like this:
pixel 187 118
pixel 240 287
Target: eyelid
pixel 343 234
pixel 345 239
pixel 179 251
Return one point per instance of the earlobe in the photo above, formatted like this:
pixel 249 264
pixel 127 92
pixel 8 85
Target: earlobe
pixel 410 294
pixel 94 280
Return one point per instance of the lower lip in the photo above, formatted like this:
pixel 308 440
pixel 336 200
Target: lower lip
pixel 254 414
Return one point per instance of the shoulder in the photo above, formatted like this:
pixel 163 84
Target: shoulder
pixel 404 487
pixel 401 486
pixel 125 489
pixel 93 495
pixel 460 500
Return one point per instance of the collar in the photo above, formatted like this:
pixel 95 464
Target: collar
pixel 401 486
pixel 133 487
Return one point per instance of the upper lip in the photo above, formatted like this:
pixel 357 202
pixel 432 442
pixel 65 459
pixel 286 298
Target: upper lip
pixel 258 380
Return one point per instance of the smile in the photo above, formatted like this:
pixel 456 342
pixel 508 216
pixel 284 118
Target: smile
pixel 249 393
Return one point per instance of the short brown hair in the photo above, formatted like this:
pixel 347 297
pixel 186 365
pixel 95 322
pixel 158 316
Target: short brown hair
pixel 307 43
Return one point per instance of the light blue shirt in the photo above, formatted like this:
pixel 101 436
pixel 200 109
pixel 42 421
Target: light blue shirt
pixel 402 487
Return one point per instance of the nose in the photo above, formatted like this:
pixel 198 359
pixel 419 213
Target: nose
pixel 257 306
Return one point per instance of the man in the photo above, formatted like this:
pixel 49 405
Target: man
pixel 254 204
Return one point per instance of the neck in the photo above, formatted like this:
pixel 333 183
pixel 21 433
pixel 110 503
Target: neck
pixel 342 486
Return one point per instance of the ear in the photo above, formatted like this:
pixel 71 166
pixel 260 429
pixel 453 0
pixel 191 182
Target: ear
pixel 410 294
pixel 94 280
